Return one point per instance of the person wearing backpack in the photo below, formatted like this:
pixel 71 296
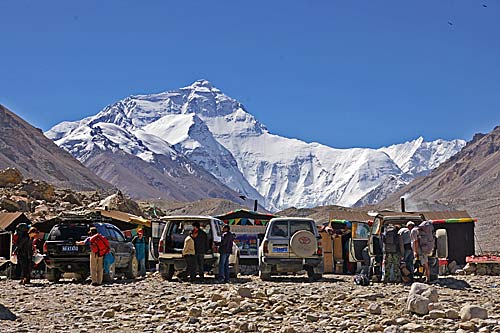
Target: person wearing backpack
pixel 393 251
pixel 422 240
pixel 99 246
pixel 408 257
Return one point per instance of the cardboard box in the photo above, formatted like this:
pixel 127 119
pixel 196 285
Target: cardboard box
pixel 328 262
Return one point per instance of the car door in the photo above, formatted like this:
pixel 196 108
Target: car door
pixel 278 239
pixel 122 253
pixel 360 232
pixel 157 228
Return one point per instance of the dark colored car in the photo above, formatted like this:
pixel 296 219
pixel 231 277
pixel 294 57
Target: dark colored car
pixel 62 255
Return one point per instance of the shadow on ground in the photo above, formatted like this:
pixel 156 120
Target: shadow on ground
pixel 452 283
pixel 6 314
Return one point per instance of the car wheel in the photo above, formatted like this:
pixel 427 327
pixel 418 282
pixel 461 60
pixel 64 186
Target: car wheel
pixel 81 277
pixel 264 276
pixel 167 271
pixel 110 276
pixel 53 275
pixel 132 269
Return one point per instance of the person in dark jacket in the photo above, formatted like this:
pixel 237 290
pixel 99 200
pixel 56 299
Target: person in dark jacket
pixel 201 248
pixel 24 252
pixel 225 250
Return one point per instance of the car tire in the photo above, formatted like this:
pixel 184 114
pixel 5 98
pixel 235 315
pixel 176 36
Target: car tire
pixel 53 275
pixel 167 271
pixel 264 276
pixel 132 268
pixel 314 276
pixel 303 243
pixel 110 276
pixel 81 277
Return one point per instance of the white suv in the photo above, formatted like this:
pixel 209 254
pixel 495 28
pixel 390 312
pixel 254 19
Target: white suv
pixel 291 245
pixel 171 243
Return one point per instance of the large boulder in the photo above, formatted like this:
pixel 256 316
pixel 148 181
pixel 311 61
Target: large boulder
pixel 419 298
pixel 10 176
pixel 9 205
pixel 39 190
pixel 469 312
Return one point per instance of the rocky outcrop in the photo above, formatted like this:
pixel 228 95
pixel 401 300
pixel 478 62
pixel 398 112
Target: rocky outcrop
pixel 10 176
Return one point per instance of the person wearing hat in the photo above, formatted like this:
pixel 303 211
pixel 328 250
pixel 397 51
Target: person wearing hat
pixel 408 252
pixel 225 250
pixel 99 246
pixel 24 252
pixel 139 242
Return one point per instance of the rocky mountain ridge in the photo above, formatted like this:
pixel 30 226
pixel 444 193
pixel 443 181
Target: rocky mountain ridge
pixel 26 148
pixel 468 180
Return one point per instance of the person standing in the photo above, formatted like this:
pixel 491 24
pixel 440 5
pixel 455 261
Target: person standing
pixel 393 251
pixel 225 250
pixel 422 239
pixel 140 244
pixel 188 252
pixel 201 248
pixel 408 256
pixel 99 246
pixel 24 252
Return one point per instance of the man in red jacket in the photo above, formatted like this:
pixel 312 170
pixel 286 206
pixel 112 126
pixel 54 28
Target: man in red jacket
pixel 99 246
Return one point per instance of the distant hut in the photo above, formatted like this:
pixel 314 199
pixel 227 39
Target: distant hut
pixel 247 225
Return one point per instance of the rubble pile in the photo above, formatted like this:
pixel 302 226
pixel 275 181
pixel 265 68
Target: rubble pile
pixel 40 200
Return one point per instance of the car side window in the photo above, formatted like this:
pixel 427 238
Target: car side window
pixel 300 225
pixel 112 235
pixel 279 229
pixel 104 231
pixel 118 235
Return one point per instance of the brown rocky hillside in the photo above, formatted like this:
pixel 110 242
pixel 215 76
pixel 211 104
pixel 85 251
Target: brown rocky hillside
pixel 470 180
pixel 26 148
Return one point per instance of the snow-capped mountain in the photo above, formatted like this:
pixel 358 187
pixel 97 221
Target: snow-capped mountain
pixel 215 132
pixel 418 158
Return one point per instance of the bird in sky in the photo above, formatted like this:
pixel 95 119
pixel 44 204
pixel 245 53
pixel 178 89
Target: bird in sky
pixel 450 23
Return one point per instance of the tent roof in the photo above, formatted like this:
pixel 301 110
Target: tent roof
pixel 239 213
pixel 8 219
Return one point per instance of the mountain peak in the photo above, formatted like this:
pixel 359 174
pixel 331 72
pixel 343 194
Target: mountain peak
pixel 202 83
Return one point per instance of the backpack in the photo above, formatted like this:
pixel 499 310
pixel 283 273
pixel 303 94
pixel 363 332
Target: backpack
pixel 99 244
pixel 426 236
pixel 391 239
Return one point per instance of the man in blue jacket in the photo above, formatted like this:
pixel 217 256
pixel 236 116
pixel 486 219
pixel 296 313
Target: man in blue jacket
pixel 139 242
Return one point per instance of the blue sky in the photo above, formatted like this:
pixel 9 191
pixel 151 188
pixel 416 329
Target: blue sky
pixel 343 73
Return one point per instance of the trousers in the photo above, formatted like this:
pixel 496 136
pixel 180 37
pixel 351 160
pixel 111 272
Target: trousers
pixel 96 268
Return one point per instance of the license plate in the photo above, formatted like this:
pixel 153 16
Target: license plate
pixel 70 248
pixel 280 249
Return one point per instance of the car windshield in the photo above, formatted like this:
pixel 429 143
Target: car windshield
pixel 69 232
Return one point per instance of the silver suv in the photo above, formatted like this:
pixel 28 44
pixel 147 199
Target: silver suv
pixel 291 245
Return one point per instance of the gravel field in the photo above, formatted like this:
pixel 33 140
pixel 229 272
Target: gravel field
pixel 286 304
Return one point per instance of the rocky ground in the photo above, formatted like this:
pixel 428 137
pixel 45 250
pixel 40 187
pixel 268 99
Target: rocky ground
pixel 287 304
